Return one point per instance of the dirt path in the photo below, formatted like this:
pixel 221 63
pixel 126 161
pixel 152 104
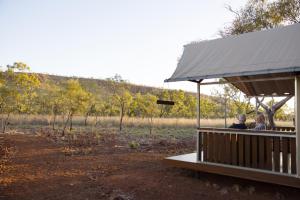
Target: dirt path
pixel 42 169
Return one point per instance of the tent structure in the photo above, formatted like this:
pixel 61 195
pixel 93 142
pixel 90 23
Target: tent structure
pixel 263 63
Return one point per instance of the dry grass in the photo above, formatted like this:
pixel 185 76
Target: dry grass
pixel 19 120
pixel 162 127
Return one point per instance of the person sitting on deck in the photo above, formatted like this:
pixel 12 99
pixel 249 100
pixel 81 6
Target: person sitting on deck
pixel 260 123
pixel 241 124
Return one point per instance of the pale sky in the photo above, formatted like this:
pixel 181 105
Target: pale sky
pixel 139 39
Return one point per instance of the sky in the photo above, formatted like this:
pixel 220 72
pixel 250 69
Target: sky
pixel 141 40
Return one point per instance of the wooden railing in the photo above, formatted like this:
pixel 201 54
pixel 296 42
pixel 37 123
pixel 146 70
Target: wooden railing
pixel 267 150
pixel 277 128
pixel 284 128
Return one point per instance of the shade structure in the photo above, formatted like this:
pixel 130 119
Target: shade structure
pixel 279 84
pixel 273 53
pixel 259 63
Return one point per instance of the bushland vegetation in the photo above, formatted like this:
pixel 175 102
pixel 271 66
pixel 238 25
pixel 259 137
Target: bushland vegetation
pixel 27 94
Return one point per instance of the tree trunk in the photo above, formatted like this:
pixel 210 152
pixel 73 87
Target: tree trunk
pixel 121 118
pixel 86 118
pixel 63 119
pixel 96 120
pixel 2 123
pixel 54 121
pixel 151 125
pixel 5 123
pixel 65 124
pixel 271 119
pixel 162 112
pixel 71 122
pixel 121 122
pixel 270 111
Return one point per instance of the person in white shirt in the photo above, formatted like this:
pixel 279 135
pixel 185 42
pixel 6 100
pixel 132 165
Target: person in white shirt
pixel 260 122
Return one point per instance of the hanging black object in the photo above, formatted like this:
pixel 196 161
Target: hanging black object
pixel 165 102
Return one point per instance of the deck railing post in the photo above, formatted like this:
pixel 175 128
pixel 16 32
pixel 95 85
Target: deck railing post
pixel 199 138
pixel 256 106
pixel 225 112
pixel 297 122
pixel 198 105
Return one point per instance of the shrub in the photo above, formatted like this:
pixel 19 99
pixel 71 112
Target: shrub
pixel 134 145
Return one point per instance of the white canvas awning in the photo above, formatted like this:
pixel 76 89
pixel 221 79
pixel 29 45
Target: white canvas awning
pixel 274 52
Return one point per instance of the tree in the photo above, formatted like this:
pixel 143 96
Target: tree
pixel 237 101
pixel 18 91
pixel 263 14
pixel 55 101
pixel 1 77
pixel 91 108
pixel 150 109
pixel 287 11
pixel 208 108
pixel 117 78
pixel 232 102
pixel 123 99
pixel 1 85
pixel 191 104
pixel 137 106
pixel 75 101
pixel 43 102
pixel 179 109
pixel 282 114
pixel 165 110
pixel 272 108
pixel 100 110
pixel 110 108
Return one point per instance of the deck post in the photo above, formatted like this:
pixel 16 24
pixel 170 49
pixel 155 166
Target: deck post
pixel 199 138
pixel 198 104
pixel 256 106
pixel 225 112
pixel 297 122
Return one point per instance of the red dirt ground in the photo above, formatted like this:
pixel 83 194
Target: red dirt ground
pixel 39 168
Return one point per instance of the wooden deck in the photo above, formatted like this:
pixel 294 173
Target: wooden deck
pixel 189 161
pixel 267 150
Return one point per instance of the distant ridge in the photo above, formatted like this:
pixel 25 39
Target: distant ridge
pixel 103 86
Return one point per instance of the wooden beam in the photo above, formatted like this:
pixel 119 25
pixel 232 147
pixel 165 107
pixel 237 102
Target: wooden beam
pixel 297 122
pixel 249 80
pixel 165 102
pixel 239 172
pixel 265 133
pixel 195 81
pixel 244 85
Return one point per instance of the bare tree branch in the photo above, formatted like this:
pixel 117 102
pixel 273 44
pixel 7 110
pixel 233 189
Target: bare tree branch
pixel 228 7
pixel 280 103
pixel 260 102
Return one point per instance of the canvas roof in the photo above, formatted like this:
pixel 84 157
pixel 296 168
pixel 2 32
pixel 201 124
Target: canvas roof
pixel 281 87
pixel 264 54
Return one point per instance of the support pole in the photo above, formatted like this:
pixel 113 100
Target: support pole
pixel 297 122
pixel 225 112
pixel 199 136
pixel 256 106
pixel 198 105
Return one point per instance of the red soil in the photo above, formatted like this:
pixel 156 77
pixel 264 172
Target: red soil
pixel 40 168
